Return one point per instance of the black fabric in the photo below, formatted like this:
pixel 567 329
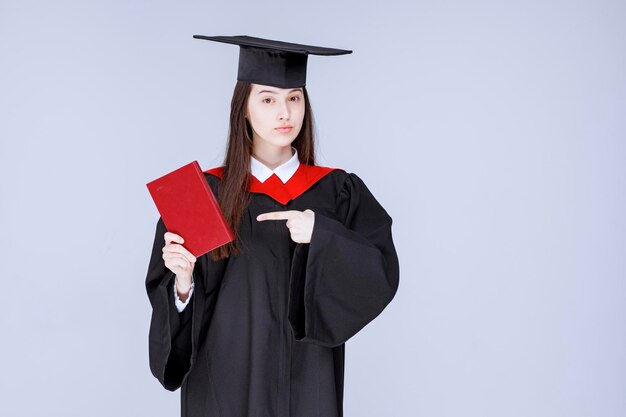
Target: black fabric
pixel 276 68
pixel 264 334
pixel 270 62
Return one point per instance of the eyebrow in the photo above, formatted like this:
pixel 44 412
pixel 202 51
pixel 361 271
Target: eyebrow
pixel 274 92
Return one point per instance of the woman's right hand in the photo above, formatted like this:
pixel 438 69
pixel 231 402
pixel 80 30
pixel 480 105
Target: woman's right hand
pixel 178 259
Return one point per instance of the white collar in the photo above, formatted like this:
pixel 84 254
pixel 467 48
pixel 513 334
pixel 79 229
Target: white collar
pixel 284 171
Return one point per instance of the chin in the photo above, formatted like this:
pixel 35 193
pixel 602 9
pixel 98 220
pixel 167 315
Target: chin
pixel 283 141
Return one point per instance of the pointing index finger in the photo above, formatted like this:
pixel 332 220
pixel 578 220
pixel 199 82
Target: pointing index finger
pixel 277 215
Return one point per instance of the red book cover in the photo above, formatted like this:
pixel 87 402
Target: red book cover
pixel 189 209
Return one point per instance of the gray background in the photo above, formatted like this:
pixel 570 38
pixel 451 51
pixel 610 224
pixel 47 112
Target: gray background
pixel 493 133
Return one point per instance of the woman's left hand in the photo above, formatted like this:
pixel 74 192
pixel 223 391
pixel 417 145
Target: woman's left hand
pixel 300 223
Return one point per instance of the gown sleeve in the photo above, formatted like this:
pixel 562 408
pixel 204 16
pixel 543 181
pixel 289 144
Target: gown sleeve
pixel 347 274
pixel 173 336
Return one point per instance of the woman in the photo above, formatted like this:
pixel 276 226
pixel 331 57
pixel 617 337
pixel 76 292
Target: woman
pixel 258 327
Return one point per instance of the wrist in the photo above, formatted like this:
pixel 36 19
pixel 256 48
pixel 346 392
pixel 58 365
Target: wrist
pixel 183 285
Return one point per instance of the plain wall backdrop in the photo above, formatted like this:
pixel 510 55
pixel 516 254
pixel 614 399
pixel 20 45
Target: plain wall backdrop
pixel 493 132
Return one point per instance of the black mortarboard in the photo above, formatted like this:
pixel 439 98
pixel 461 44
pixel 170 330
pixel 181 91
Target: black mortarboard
pixel 276 63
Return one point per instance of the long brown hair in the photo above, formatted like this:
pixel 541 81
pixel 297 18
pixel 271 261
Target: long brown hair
pixel 232 191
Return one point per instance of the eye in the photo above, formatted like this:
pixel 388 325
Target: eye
pixel 295 98
pixel 267 100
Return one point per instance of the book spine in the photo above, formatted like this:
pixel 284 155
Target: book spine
pixel 211 197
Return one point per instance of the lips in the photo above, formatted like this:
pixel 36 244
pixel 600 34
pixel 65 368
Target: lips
pixel 284 129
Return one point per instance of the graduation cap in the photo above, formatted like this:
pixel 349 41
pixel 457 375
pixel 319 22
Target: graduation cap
pixel 276 63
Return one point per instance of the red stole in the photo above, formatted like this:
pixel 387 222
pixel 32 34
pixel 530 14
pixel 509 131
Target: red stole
pixel 304 178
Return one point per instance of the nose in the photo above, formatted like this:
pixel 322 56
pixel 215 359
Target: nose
pixel 284 112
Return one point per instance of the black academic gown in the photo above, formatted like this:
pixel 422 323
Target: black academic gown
pixel 264 332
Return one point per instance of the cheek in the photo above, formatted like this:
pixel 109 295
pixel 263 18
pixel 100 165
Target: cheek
pixel 257 118
pixel 300 113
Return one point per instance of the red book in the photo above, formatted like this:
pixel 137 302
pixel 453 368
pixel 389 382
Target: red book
pixel 189 209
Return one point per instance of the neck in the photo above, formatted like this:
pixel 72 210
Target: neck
pixel 272 156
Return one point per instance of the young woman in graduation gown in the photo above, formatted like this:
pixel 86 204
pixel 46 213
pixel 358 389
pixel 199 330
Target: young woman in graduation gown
pixel 257 328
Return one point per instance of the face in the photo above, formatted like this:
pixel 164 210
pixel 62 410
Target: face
pixel 275 114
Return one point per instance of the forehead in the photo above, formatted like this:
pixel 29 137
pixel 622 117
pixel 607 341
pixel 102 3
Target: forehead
pixel 258 88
